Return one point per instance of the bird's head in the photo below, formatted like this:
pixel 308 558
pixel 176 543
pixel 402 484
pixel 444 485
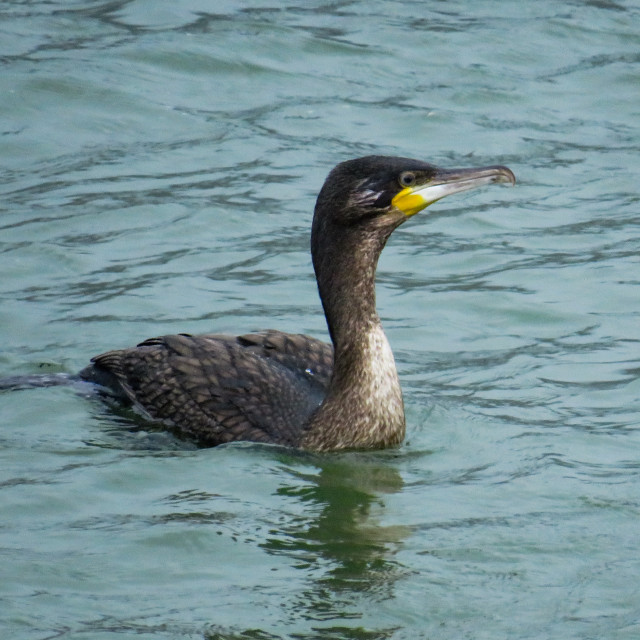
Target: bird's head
pixel 382 192
pixel 362 201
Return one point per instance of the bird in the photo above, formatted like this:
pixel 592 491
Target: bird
pixel 289 389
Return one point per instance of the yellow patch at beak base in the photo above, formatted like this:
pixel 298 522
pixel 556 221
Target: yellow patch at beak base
pixel 409 202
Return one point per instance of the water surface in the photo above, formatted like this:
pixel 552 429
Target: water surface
pixel 160 163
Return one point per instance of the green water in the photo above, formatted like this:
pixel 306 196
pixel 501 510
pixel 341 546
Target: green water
pixel 160 162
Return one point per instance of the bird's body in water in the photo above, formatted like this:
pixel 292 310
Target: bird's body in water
pixel 291 389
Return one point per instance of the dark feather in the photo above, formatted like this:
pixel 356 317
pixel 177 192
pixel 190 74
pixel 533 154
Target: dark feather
pixel 215 388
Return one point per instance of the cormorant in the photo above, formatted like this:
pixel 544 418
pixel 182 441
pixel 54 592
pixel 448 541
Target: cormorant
pixel 291 389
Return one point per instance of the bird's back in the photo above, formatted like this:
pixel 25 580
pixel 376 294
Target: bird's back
pixel 261 387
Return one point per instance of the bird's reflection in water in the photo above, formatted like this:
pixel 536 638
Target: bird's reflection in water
pixel 339 542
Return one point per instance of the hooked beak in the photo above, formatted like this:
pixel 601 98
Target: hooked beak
pixel 445 182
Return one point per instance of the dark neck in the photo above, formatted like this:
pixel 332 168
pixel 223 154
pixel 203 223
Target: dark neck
pixel 346 284
pixel 363 406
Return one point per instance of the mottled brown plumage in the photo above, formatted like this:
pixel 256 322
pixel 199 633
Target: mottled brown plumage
pixel 291 389
pixel 211 388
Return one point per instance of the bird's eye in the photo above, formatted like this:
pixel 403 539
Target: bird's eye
pixel 407 179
